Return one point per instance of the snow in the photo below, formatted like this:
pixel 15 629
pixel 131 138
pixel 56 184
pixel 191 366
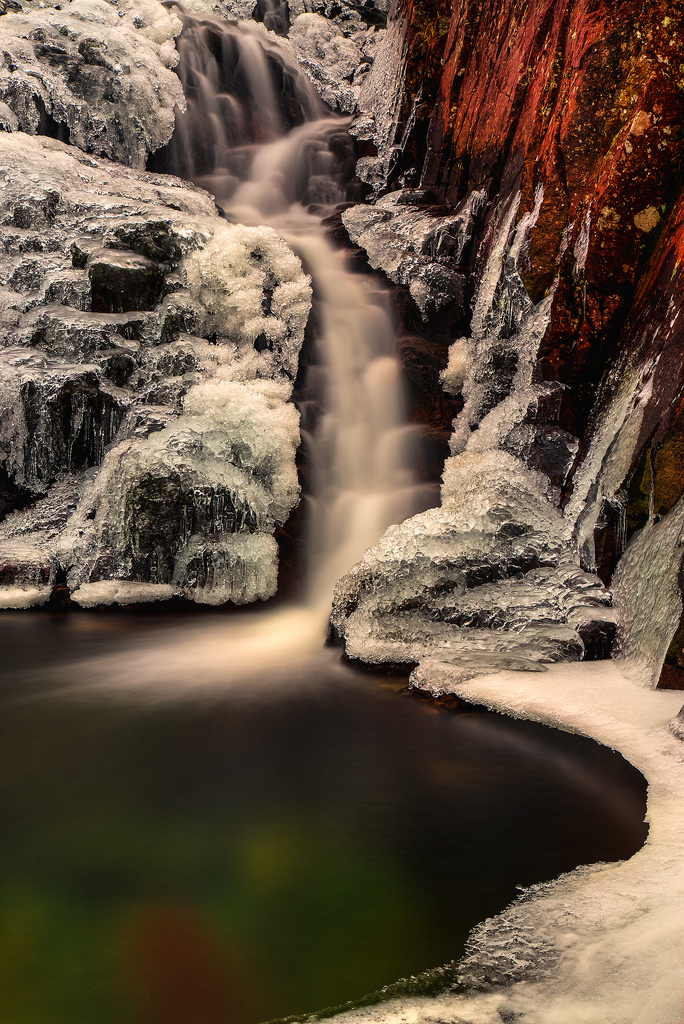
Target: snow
pixel 118 97
pixel 201 427
pixel 603 944
pixel 193 506
pixel 230 277
pixel 329 58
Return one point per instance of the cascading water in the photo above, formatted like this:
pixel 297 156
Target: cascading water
pixel 256 135
pixel 83 854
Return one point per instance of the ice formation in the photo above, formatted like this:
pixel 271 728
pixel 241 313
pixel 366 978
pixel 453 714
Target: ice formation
pixel 148 443
pixel 418 249
pixel 603 943
pixel 93 73
pixel 494 569
pixel 336 56
pixel 491 570
pixel 194 505
pixel 231 275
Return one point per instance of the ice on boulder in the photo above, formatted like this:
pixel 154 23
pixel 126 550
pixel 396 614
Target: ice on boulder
pixel 492 570
pixel 418 248
pixel 95 74
pixel 253 294
pixel 241 568
pixel 331 58
pixel 195 504
pixel 27 574
pixel 148 353
pixel 90 595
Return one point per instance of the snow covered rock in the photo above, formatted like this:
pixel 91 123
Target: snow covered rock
pixel 95 74
pixel 148 353
pixel 491 571
pixel 194 505
pixel 336 55
pixel 494 570
pixel 417 247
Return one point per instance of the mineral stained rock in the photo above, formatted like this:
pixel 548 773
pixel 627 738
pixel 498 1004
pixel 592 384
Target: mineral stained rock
pixel 555 141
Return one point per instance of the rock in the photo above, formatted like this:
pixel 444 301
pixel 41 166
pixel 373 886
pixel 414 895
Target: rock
pixel 95 74
pixel 55 418
pixel 491 571
pixel 124 281
pixel 146 442
pixel 419 249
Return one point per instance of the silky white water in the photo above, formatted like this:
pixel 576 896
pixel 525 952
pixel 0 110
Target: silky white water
pixel 237 140
pixel 360 448
pixel 274 163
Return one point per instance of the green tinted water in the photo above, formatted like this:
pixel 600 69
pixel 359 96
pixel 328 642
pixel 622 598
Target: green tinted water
pixel 218 861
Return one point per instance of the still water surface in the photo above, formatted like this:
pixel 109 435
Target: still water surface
pixel 218 860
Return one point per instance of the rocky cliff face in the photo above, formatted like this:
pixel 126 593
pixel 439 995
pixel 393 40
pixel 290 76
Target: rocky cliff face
pixel 549 165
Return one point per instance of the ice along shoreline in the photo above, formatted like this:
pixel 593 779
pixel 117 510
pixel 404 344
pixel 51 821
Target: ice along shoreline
pixel 602 944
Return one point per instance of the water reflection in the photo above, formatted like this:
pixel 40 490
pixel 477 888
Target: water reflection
pixel 212 860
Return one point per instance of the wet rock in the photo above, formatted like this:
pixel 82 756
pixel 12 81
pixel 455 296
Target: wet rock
pixel 492 571
pixel 121 281
pixel 336 53
pixel 420 249
pixel 56 418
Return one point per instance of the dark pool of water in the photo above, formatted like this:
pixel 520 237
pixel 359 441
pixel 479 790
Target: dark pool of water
pixel 220 862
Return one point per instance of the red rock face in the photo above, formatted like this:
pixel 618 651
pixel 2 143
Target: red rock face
pixel 581 98
pixel 585 100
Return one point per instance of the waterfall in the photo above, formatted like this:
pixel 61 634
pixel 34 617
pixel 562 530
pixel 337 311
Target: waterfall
pixel 256 135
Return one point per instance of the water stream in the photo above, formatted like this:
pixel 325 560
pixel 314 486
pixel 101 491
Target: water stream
pixel 256 135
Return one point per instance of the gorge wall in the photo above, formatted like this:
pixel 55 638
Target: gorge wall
pixel 551 133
